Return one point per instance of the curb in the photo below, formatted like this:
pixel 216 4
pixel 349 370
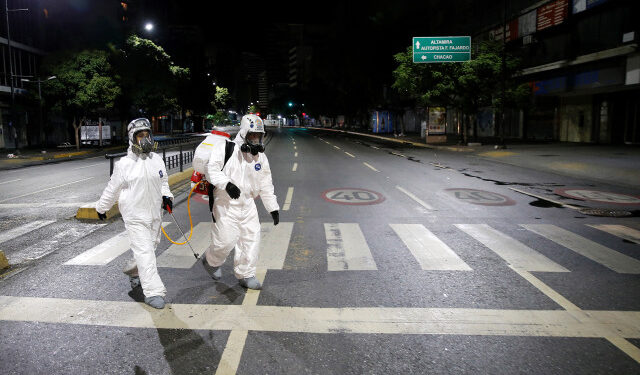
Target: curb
pixel 88 211
pixel 424 145
pixel 4 262
pixel 39 160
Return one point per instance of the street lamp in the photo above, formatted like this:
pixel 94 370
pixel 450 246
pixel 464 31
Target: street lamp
pixel 39 82
pixel 148 26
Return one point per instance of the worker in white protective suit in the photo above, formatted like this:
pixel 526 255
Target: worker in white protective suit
pixel 245 176
pixel 140 185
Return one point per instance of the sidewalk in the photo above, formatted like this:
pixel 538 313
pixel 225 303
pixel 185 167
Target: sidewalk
pixel 29 157
pixel 612 164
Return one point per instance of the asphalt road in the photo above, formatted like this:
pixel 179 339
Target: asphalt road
pixel 387 259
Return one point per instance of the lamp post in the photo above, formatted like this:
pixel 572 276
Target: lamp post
pixel 39 82
pixel 11 112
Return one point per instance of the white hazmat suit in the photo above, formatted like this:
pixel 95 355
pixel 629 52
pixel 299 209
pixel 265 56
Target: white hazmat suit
pixel 138 183
pixel 237 223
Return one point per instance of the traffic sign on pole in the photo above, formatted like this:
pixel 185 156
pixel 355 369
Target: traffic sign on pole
pixel 441 49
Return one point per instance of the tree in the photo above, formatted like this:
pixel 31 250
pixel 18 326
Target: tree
pixel 148 78
pixel 466 86
pixel 221 97
pixel 85 85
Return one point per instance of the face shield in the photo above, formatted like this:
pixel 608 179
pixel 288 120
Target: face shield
pixel 144 142
pixel 140 136
pixel 253 143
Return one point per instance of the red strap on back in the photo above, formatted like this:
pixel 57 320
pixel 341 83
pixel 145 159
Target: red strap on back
pixel 216 132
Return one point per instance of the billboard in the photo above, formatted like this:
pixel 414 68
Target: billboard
pixel 552 14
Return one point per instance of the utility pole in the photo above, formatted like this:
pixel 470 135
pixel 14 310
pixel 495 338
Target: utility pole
pixel 12 109
pixel 504 69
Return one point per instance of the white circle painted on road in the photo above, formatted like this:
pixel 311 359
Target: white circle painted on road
pixel 481 197
pixel 598 196
pixel 352 196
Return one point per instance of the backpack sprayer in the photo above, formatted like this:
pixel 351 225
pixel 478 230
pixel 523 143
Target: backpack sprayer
pixel 202 186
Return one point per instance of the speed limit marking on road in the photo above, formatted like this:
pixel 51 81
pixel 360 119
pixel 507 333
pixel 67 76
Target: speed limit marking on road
pixel 481 197
pixel 598 196
pixel 352 196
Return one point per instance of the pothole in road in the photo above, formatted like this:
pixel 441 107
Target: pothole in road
pixel 544 204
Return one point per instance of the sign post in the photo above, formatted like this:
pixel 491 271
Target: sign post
pixel 441 49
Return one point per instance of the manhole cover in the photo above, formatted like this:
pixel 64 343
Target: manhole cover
pixel 604 212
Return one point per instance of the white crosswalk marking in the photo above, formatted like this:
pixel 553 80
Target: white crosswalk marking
pixel 515 253
pixel 23 229
pixel 180 256
pixel 429 251
pixel 103 253
pixel 106 251
pixel 621 231
pixel 347 249
pixel 274 243
pixel 49 245
pixel 607 257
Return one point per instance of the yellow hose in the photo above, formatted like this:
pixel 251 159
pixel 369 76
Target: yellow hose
pixel 190 222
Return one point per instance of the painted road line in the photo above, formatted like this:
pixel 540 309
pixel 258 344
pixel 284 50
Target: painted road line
pixel 377 148
pixel 181 256
pixel 431 253
pixel 7 182
pixel 90 165
pixel 387 320
pixel 621 231
pixel 544 198
pixel 23 229
pixel 105 252
pixel 605 256
pixel 51 244
pixel 230 359
pixel 295 167
pixel 40 191
pixel 287 200
pixel 412 196
pixel 396 154
pixel 353 156
pixel 274 243
pixel 515 253
pixel 370 166
pixel 336 147
pixel 616 338
pixel 295 155
pixel 295 147
pixel 347 249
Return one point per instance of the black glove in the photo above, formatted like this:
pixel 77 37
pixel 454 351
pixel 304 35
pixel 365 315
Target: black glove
pixel 233 190
pixel 276 217
pixel 102 216
pixel 167 204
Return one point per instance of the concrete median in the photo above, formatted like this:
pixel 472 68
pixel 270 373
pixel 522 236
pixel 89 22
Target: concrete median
pixel 88 211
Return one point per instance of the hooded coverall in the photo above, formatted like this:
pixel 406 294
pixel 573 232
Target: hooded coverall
pixel 237 222
pixel 138 184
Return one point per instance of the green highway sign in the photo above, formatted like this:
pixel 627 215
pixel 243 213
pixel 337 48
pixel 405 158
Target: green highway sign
pixel 441 49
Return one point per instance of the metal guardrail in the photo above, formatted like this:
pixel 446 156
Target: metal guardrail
pixel 186 147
